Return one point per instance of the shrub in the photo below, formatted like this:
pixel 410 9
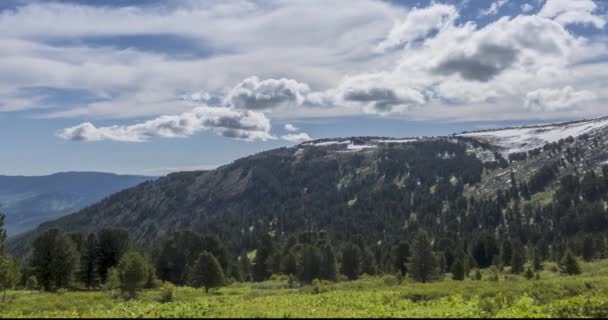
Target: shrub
pixel 167 293
pixel 31 283
pixel 390 280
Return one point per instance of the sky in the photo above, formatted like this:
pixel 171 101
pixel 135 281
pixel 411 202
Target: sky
pixel 151 87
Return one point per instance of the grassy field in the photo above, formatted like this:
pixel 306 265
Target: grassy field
pixel 553 295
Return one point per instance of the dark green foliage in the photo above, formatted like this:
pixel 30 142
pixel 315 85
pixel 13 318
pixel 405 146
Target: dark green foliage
pixel 2 234
pixel 177 255
pixel 569 264
pixel 261 266
pixel 206 272
pixel 529 274
pixel 368 263
pixel 54 260
pixel 518 260
pixel 134 272
pixel 112 244
pixel 9 275
pixel 424 265
pixel 329 266
pixel 310 264
pixel 402 254
pixel 88 273
pixel 351 261
pixel 588 248
pixel 457 270
pixel 290 264
pixel 537 261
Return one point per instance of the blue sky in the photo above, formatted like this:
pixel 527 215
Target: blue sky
pixel 150 87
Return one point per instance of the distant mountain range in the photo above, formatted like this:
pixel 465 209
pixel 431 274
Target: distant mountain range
pixel 29 201
pixel 378 187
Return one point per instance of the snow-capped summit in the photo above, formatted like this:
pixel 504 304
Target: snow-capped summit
pixel 530 137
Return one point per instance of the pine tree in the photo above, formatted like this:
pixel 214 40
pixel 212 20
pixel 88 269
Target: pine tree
pixel 457 270
pixel 88 274
pixel 54 259
pixel 517 261
pixel 261 267
pixel 207 272
pixel 9 275
pixel 329 266
pixel 588 248
pixel 246 267
pixel 402 255
pixel 537 262
pixel 569 264
pixel 2 234
pixel 424 265
pixel 177 255
pixel 310 264
pixel 506 252
pixel 112 244
pixel 351 261
pixel 289 265
pixel 134 272
pixel 368 265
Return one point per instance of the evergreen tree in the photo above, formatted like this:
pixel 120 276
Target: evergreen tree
pixel 517 261
pixel 246 267
pixel 310 264
pixel 368 265
pixel 537 261
pixel 88 274
pixel 134 271
pixel 54 260
pixel 506 252
pixel 424 265
pixel 329 266
pixel 457 270
pixel 112 244
pixel 289 266
pixel 402 254
pixel 351 261
pixel 588 248
pixel 207 272
pixel 529 274
pixel 261 267
pixel 9 275
pixel 177 255
pixel 569 264
pixel 2 234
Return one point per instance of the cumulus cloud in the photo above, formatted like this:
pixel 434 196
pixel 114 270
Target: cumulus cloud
pixel 572 12
pixel 296 137
pixel 494 7
pixel 418 24
pixel 291 128
pixel 487 61
pixel 255 94
pixel 548 99
pixel 246 125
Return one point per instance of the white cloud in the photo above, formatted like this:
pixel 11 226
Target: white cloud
pixel 255 94
pixel 557 99
pixel 246 125
pixel 494 8
pixel 526 7
pixel 296 137
pixel 291 128
pixel 572 12
pixel 418 24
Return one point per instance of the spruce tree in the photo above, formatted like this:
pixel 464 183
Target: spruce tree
pixel 329 266
pixel 310 264
pixel 537 261
pixel 424 265
pixel 88 274
pixel 54 260
pixel 289 265
pixel 261 267
pixel 569 264
pixel 207 272
pixel 402 254
pixel 517 261
pixel 368 263
pixel 2 234
pixel 588 248
pixel 351 261
pixel 112 244
pixel 457 270
pixel 9 275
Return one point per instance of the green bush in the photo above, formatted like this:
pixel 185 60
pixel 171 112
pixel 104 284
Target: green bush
pixel 167 292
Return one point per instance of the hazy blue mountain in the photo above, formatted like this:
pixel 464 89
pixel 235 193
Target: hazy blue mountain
pixel 29 201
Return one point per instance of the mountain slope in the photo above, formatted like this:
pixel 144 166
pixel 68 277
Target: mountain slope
pixel 29 201
pixel 376 187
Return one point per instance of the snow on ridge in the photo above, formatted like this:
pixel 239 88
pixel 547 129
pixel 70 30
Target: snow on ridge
pixel 395 140
pixel 326 143
pixel 527 138
pixel 358 147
